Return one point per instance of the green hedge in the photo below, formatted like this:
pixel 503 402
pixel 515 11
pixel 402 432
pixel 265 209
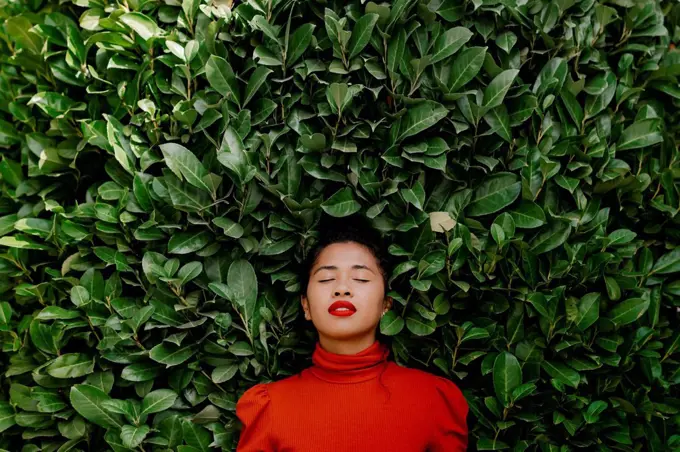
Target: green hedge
pixel 165 163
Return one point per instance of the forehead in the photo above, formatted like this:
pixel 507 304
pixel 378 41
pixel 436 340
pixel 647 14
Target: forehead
pixel 346 253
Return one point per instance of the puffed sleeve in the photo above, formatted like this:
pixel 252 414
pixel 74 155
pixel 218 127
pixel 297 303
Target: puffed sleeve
pixel 255 413
pixel 451 419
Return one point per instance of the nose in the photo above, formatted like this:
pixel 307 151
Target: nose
pixel 342 288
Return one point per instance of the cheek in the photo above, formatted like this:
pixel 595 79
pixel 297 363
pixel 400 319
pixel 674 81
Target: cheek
pixel 316 294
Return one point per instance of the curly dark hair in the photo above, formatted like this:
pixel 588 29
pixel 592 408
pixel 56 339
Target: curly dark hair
pixel 354 228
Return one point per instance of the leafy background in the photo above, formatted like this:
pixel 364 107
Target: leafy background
pixel 164 164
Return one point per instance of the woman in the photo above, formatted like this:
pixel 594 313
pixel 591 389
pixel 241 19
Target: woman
pixel 352 398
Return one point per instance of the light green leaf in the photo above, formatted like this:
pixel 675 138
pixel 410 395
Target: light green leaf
pixel 144 26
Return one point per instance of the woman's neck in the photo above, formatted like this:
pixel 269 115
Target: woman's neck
pixel 346 346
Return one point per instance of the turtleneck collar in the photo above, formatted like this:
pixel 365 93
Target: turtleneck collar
pixel 362 366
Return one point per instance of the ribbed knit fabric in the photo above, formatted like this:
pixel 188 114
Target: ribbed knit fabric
pixel 354 403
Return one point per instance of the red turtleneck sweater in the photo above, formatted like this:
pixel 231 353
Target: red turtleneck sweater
pixel 354 403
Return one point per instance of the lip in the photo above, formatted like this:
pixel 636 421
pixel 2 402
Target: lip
pixel 342 304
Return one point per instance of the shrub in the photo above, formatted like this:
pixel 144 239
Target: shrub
pixel 165 165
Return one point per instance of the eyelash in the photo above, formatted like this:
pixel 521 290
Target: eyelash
pixel 361 280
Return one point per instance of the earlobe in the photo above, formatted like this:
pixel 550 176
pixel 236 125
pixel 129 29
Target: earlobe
pixel 305 306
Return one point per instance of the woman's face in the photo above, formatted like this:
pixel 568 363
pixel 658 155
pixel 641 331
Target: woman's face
pixel 346 271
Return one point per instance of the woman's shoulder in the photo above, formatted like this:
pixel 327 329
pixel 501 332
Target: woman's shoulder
pixel 425 381
pixel 255 396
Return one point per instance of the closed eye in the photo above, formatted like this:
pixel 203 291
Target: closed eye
pixel 360 280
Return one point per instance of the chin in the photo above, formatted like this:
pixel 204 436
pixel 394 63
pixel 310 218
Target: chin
pixel 344 333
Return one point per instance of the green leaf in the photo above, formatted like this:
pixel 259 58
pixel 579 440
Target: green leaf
pixel 594 410
pixel 507 375
pixel 22 242
pixel 5 312
pixel 87 401
pixel 79 296
pixel 48 313
pixel 183 163
pixel 222 374
pixel 257 79
pixel 562 373
pixel 641 134
pixel 506 41
pixel 420 118
pixel 196 436
pixel 144 26
pixel 141 372
pixel 188 242
pixel 495 92
pixel 341 204
pixel 465 67
pixel 337 94
pixel 628 311
pixel 242 282
pixel 391 324
pixel 495 193
pixel 18 27
pixel 499 121
pixel 588 311
pixel 171 355
pixel 189 271
pixel 221 77
pixel 299 41
pixel 551 237
pixel 229 227
pixel 528 215
pixel 158 400
pixel 449 43
pixel 232 155
pixel 133 436
pixel 71 365
pixel 668 263
pixel 361 34
pixel 7 419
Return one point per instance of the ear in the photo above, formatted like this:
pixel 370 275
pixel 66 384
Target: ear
pixel 305 306
pixel 388 302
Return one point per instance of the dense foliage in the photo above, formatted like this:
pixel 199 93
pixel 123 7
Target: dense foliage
pixel 164 164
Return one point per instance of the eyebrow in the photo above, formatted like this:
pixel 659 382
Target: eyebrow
pixel 333 267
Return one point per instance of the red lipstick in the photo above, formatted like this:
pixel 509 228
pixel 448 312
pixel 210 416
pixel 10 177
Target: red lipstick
pixel 342 308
